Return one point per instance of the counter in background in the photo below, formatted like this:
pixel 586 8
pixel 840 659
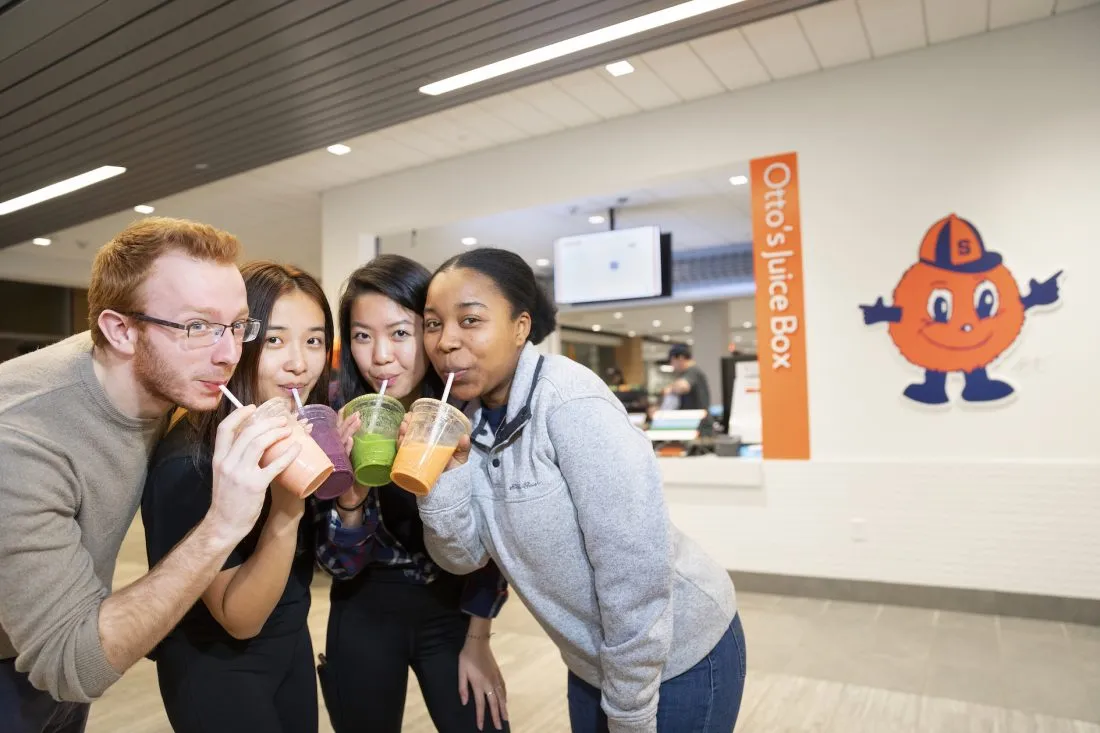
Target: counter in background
pixel 712 472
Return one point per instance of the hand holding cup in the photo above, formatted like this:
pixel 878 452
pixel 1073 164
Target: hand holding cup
pixel 349 425
pixel 240 483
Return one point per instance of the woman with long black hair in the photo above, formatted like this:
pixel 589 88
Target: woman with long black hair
pixel 393 608
pixel 241 659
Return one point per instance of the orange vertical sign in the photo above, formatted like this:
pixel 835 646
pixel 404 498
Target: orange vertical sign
pixel 780 307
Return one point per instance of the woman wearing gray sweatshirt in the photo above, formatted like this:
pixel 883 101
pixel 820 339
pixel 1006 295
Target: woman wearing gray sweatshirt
pixel 564 495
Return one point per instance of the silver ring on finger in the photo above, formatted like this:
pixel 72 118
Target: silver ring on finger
pixel 490 693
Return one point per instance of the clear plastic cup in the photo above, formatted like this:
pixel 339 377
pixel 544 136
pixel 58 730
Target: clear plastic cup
pixel 429 443
pixel 312 466
pixel 326 433
pixel 374 444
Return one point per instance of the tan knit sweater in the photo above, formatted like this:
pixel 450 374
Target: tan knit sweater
pixel 72 468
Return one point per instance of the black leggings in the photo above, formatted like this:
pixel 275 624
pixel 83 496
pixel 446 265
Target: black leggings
pixel 267 684
pixel 379 632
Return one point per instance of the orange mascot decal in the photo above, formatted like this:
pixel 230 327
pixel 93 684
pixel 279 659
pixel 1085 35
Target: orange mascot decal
pixel 956 310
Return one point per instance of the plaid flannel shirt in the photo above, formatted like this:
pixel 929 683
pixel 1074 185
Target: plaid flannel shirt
pixel 343 553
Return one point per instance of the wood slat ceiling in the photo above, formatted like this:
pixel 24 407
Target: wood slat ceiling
pixel 185 93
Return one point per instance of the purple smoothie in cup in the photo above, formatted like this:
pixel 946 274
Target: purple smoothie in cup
pixel 326 433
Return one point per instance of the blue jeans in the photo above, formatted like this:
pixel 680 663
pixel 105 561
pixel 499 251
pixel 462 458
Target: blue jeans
pixel 704 699
pixel 24 709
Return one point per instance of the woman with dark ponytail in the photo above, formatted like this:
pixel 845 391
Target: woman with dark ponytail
pixel 561 492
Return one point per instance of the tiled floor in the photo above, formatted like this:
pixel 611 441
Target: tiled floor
pixel 814 665
pixel 1031 666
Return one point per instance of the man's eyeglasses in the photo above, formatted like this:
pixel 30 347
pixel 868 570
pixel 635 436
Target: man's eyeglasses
pixel 204 333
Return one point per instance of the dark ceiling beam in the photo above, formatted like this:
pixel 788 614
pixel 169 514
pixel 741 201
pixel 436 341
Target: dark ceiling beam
pixel 78 51
pixel 236 132
pixel 27 23
pixel 205 100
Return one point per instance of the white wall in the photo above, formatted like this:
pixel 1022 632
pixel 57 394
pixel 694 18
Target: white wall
pixel 1000 128
pixel 23 263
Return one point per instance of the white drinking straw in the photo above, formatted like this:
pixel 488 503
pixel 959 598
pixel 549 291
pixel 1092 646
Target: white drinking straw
pixel 229 396
pixel 438 426
pixel 374 415
pixel 447 389
pixel 297 397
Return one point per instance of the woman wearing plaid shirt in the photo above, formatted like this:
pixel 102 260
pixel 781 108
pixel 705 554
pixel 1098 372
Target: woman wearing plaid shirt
pixel 393 608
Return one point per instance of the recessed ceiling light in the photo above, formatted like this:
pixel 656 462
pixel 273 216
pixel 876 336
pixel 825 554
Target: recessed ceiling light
pixel 656 324
pixel 469 241
pixel 687 329
pixel 737 339
pixel 338 149
pixel 738 180
pixel 691 342
pixel 620 68
pixel 747 324
pixel 596 219
pixel 144 209
pixel 689 309
pixel 618 315
pixel 597 327
pixel 60 188
pixel 41 241
pixel 666 338
pixel 631 334
pixel 598 37
pixel 542 262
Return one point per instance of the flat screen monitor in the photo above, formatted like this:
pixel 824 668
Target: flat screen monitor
pixel 621 264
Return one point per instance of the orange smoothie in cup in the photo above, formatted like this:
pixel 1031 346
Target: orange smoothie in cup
pixel 308 471
pixel 419 465
pixel 312 466
pixel 429 443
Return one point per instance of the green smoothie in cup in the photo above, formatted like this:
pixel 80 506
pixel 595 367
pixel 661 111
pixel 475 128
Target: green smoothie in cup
pixel 374 444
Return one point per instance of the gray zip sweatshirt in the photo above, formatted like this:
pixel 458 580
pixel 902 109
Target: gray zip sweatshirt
pixel 568 502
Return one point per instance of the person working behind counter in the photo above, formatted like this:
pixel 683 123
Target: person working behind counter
pixel 690 383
